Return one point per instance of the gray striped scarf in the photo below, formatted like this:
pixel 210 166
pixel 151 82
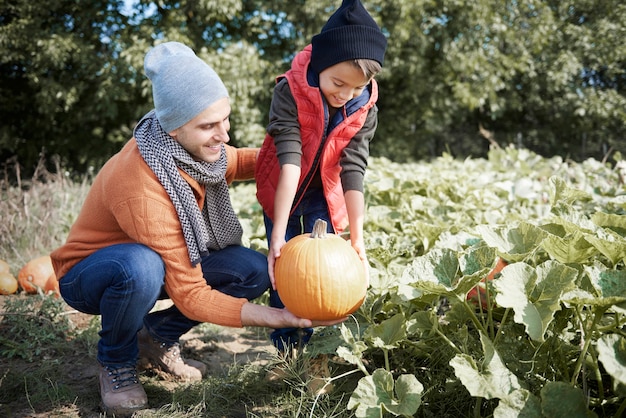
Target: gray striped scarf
pixel 216 226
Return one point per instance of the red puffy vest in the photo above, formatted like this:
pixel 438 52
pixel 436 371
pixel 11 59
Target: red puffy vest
pixel 312 124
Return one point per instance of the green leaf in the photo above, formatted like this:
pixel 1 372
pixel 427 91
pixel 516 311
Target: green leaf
pixel 611 221
pixel 439 266
pixel 561 400
pixel 375 395
pixel 353 353
pixel 422 322
pixel 409 392
pixel 388 333
pixel 534 293
pixel 609 243
pixel 609 286
pixel 518 404
pixel 514 244
pixel 572 248
pixel 563 193
pixel 492 379
pixel 612 354
pixel 477 260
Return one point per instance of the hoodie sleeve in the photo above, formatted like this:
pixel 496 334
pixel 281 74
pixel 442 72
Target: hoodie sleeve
pixel 354 156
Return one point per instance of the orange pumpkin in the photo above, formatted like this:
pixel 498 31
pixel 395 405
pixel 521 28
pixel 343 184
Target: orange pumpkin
pixel 8 283
pixel 52 286
pixel 478 294
pixel 320 276
pixel 4 267
pixel 35 274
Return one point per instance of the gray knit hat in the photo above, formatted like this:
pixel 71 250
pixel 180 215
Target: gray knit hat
pixel 349 34
pixel 182 84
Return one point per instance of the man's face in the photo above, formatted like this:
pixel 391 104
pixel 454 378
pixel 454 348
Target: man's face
pixel 204 135
pixel 342 82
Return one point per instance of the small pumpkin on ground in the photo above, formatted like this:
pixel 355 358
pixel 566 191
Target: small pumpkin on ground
pixel 478 294
pixel 319 276
pixel 35 273
pixel 52 286
pixel 4 267
pixel 8 283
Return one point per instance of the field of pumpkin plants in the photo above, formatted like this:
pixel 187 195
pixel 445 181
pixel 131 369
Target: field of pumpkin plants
pixel 497 289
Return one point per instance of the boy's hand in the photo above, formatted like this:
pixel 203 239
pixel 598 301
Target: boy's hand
pixel 272 255
pixel 359 247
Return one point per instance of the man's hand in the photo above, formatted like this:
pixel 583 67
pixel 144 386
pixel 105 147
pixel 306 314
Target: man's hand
pixel 265 316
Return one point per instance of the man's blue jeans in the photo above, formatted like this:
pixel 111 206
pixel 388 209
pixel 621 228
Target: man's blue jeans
pixel 121 283
pixel 312 207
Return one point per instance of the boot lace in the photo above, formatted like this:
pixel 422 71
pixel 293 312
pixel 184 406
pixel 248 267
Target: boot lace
pixel 173 351
pixel 122 376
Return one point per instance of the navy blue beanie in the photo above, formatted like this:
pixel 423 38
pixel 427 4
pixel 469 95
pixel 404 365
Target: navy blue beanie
pixel 349 34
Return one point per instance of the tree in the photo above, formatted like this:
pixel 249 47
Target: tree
pixel 520 69
pixel 61 68
pixel 543 74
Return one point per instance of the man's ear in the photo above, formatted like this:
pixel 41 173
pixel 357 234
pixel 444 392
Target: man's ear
pixel 174 133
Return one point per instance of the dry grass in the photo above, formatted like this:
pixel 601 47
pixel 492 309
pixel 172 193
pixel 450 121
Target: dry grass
pixel 36 214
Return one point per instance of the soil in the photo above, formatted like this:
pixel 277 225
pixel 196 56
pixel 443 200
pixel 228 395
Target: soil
pixel 220 350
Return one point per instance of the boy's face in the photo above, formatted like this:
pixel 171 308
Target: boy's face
pixel 204 135
pixel 342 82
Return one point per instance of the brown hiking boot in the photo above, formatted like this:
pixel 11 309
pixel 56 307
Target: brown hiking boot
pixel 120 391
pixel 167 358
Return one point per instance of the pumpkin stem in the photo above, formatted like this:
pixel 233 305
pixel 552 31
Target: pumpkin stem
pixel 319 229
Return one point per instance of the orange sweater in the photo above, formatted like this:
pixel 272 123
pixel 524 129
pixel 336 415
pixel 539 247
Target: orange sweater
pixel 128 204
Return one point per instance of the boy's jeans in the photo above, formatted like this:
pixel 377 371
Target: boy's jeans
pixel 123 282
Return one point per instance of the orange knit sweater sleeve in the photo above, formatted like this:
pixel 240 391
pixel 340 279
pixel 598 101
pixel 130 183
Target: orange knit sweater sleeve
pixel 241 163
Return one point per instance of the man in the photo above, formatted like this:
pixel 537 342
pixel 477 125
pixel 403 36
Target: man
pixel 158 223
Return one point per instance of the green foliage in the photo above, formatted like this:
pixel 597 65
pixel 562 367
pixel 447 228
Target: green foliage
pixel 557 325
pixel 546 75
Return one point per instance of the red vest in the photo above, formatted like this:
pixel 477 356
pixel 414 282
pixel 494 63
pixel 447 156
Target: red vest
pixel 312 124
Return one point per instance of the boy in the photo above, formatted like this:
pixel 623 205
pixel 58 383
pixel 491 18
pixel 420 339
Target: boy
pixel 322 117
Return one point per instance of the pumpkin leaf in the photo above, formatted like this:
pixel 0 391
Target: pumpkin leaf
pixel 562 193
pixel 616 223
pixel 534 293
pixel 609 286
pixel 612 354
pixel 388 333
pixel 438 267
pixel 379 393
pixel 572 248
pixel 490 379
pixel 520 403
pixel 562 400
pixel 513 243
pixel 609 243
pixel 355 348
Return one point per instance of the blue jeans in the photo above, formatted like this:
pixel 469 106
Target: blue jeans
pixel 121 283
pixel 312 207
